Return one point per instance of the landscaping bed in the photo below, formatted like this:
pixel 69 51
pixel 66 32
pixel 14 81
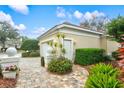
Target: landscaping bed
pixel 60 66
pixel 7 83
pixel 103 76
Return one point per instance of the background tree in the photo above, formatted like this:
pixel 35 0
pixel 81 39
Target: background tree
pixel 7 32
pixel 30 44
pixel 24 38
pixel 116 28
pixel 96 23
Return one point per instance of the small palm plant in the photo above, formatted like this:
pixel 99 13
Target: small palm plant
pixel 53 46
pixel 57 47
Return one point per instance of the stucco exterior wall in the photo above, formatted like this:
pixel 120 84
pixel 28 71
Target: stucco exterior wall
pixel 111 46
pixel 82 39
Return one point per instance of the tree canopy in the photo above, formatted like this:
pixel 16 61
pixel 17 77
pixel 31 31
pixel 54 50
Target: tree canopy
pixel 30 44
pixel 7 32
pixel 115 28
pixel 97 23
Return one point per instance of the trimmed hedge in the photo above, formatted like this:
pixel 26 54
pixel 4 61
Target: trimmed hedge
pixel 88 56
pixel 31 54
pixel 34 54
pixel 25 54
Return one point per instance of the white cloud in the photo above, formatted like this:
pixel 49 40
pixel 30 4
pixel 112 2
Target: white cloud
pixel 40 30
pixel 81 16
pixel 60 12
pixel 20 8
pixel 8 18
pixel 78 14
pixel 94 14
pixel 21 27
pixel 63 14
pixel 97 14
pixel 37 32
pixel 88 16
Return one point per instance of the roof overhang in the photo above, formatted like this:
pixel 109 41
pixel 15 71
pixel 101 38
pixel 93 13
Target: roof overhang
pixel 68 26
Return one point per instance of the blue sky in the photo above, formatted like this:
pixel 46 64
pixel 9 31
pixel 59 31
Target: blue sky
pixel 33 20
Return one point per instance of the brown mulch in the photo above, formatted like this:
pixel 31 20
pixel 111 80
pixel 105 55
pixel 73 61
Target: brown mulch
pixel 7 83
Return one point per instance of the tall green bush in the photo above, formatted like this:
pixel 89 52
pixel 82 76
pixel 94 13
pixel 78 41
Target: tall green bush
pixel 115 29
pixel 30 44
pixel 88 56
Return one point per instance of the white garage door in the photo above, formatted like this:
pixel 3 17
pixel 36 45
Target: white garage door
pixel 68 48
pixel 46 50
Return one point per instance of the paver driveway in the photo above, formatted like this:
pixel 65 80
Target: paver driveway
pixel 32 75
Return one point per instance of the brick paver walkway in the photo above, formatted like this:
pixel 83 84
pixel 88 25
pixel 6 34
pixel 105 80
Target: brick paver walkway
pixel 32 75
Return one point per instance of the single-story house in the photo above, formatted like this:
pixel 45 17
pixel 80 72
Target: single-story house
pixel 75 37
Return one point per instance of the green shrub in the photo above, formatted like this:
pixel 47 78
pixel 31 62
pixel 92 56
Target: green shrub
pixel 115 54
pixel 25 54
pixel 88 56
pixel 31 54
pixel 60 66
pixel 34 54
pixel 100 80
pixel 104 69
pixel 30 44
pixel 107 58
pixel 103 76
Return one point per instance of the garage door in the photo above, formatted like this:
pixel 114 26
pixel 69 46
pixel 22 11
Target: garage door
pixel 46 50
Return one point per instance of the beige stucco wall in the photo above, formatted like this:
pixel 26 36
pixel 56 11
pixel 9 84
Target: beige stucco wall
pixel 82 40
pixel 111 46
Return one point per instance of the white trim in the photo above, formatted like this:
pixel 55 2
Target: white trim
pixel 68 26
pixel 80 28
pixel 44 41
pixel 78 33
pixel 49 34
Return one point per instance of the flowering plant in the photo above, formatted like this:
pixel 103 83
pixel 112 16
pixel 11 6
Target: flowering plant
pixel 11 68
